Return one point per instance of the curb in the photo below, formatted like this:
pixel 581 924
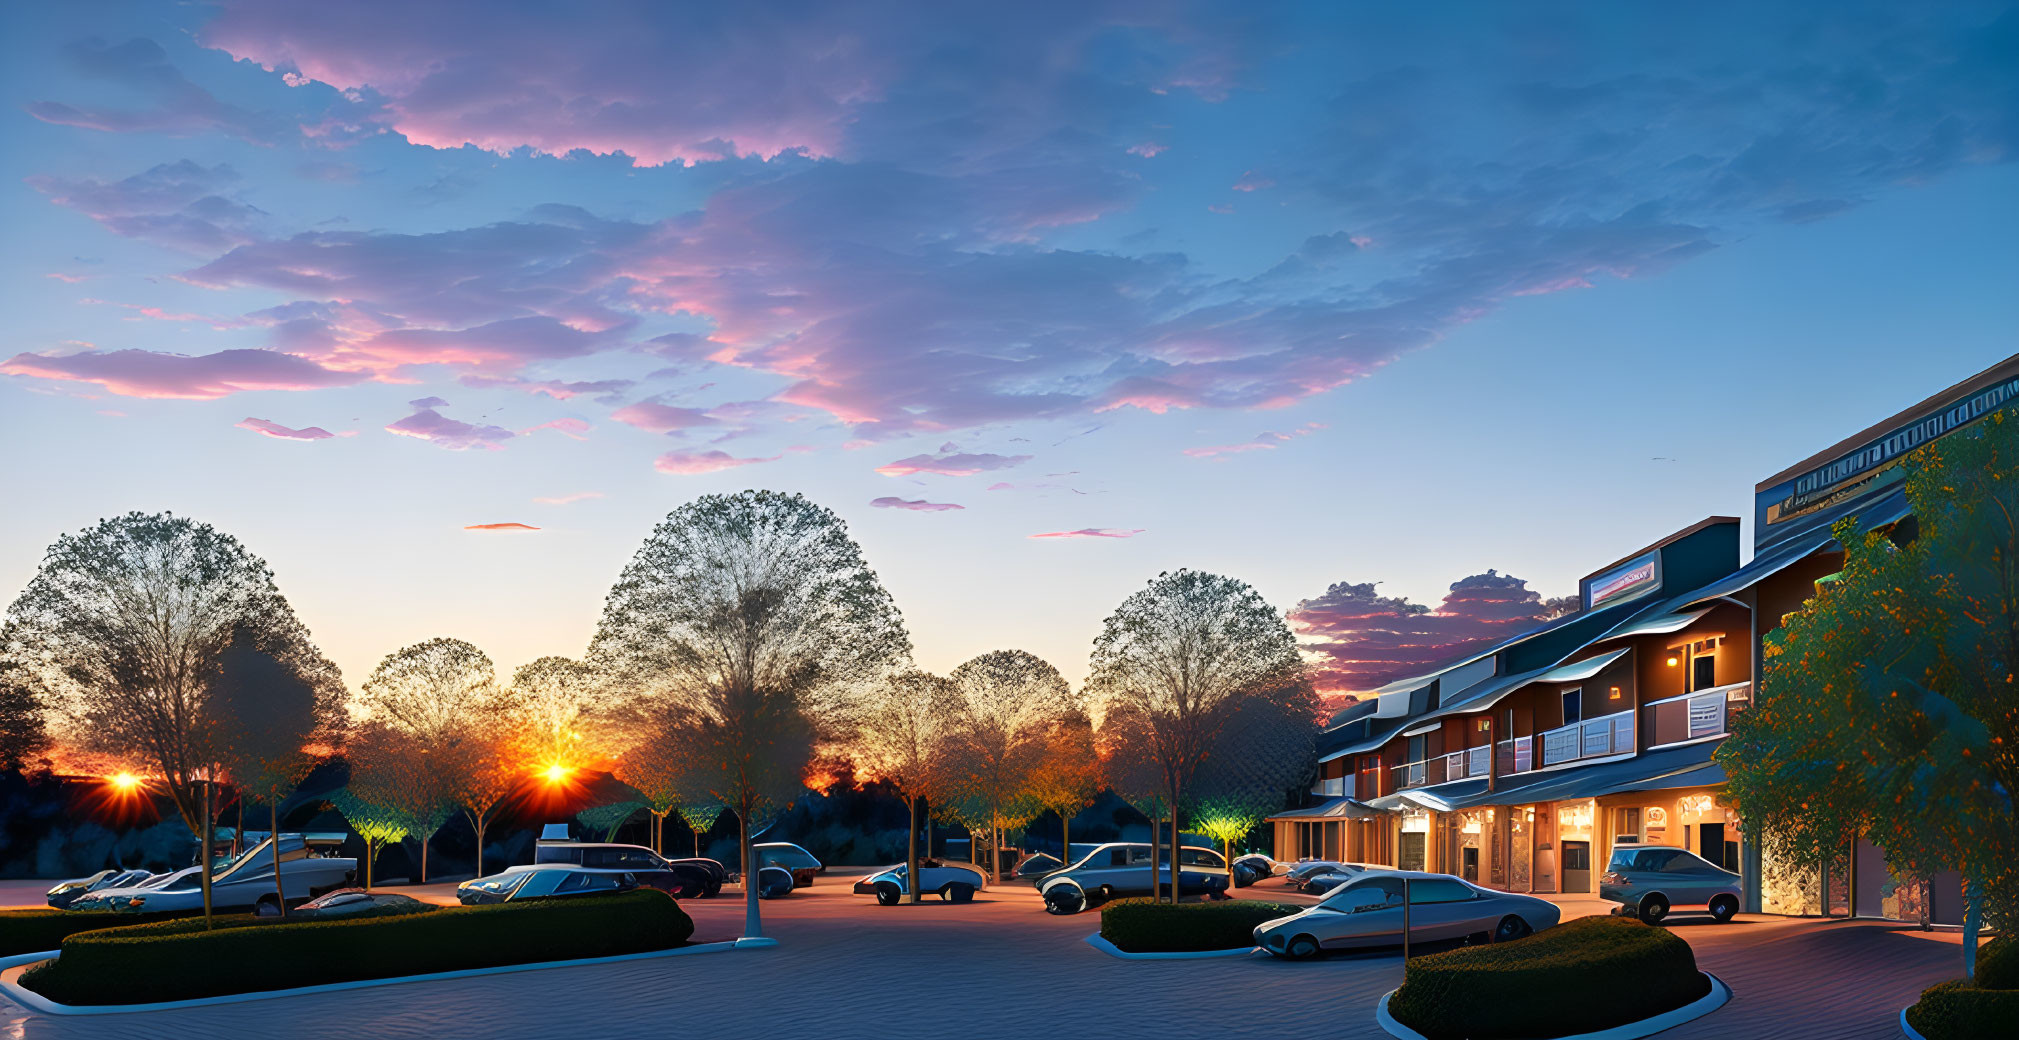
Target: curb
pixel 1112 950
pixel 37 1002
pixel 1698 1008
pixel 1906 1029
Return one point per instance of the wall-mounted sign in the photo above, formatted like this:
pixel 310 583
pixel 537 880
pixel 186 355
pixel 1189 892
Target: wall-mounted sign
pixel 1630 580
pixel 1818 494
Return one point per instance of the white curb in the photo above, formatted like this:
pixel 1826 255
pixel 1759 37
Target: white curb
pixel 1691 1011
pixel 37 1002
pixel 1112 950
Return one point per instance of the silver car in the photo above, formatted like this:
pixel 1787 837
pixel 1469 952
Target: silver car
pixel 955 882
pixel 1367 912
pixel 1123 869
pixel 1650 881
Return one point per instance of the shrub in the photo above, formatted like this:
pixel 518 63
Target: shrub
pixel 34 931
pixel 180 960
pixel 1140 926
pixel 1956 1010
pixel 1593 973
pixel 1998 964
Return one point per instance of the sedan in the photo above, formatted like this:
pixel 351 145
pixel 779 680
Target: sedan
pixel 69 892
pixel 1368 911
pixel 679 878
pixel 543 882
pixel 791 857
pixel 955 882
pixel 1251 868
pixel 245 883
pixel 1649 881
pixel 1123 869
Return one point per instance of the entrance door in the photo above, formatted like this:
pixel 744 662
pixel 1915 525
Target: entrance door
pixel 1412 850
pixel 1470 870
pixel 1711 846
pixel 1577 866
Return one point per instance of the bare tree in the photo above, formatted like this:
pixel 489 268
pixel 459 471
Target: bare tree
pixel 121 631
pixel 750 616
pixel 1005 705
pixel 565 711
pixel 897 732
pixel 1176 661
pixel 443 693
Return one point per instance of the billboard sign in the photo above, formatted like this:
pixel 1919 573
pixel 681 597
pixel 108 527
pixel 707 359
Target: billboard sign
pixel 1630 580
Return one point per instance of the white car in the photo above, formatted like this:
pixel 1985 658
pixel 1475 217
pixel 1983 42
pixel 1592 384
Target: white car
pixel 955 882
pixel 1368 911
pixel 245 883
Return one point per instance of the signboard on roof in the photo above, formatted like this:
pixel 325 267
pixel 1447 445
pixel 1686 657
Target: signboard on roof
pixel 1630 580
pixel 1837 483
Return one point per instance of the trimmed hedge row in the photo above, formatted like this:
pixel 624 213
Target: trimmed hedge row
pixel 33 931
pixel 1957 1010
pixel 1140 926
pixel 180 960
pixel 1590 974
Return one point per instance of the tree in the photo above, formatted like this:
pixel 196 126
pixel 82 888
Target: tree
pixel 375 823
pixel 443 693
pixel 1068 775
pixel 655 765
pixel 564 711
pixel 121 631
pixel 1175 663
pixel 750 616
pixel 23 739
pixel 405 782
pixel 701 819
pixel 1005 705
pixel 897 732
pixel 1887 706
pixel 1268 750
pixel 606 819
pixel 272 728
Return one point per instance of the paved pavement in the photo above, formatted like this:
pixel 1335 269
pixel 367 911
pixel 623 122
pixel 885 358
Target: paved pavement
pixel 847 968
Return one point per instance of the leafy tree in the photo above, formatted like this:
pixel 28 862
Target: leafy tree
pixel 1887 705
pixel 443 693
pixel 1174 664
pixel 404 781
pixel 607 819
pixel 655 766
pixel 1005 706
pixel 272 728
pixel 700 819
pixel 1068 775
pixel 377 824
pixel 897 732
pixel 1267 748
pixel 564 710
pixel 751 617
pixel 121 631
pixel 23 739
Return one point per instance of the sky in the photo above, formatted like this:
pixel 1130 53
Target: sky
pixel 1386 309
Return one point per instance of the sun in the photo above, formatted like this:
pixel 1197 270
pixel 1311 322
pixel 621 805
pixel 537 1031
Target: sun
pixel 555 773
pixel 124 781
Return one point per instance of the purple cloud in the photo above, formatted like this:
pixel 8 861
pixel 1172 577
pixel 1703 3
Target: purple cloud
pixel 686 462
pixel 181 108
pixel 276 430
pixel 568 499
pixel 653 417
pixel 919 504
pixel 452 434
pixel 1092 532
pixel 146 373
pixel 180 204
pixel 956 465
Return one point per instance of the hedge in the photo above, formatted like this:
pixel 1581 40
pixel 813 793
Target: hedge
pixel 33 931
pixel 1998 964
pixel 181 960
pixel 1140 926
pixel 1591 974
pixel 1956 1010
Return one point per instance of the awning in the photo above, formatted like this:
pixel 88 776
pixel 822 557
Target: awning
pixel 1762 567
pixel 1689 766
pixel 1656 625
pixel 1577 670
pixel 1339 808
pixel 1421 730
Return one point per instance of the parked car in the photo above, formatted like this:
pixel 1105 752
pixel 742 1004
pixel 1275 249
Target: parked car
pixel 241 884
pixel 1123 869
pixel 1037 865
pixel 1253 867
pixel 345 902
pixel 1367 911
pixel 775 883
pixel 679 878
pixel 1295 873
pixel 954 882
pixel 1652 881
pixel 1323 881
pixel 559 881
pixel 68 892
pixel 790 857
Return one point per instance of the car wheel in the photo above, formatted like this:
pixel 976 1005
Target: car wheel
pixel 1065 899
pixel 957 893
pixel 1512 927
pixel 1301 948
pixel 268 906
pixel 714 889
pixel 888 894
pixel 1653 909
pixel 1723 909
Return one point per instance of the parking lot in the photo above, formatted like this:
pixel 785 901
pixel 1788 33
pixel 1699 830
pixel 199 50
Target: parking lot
pixel 849 968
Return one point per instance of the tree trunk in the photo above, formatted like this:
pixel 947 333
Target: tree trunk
pixel 911 853
pixel 477 821
pixel 697 843
pixel 371 853
pixel 1065 840
pixel 209 829
pixel 424 859
pixel 1156 835
pixel 753 923
pixel 238 835
pixel 1973 927
pixel 279 893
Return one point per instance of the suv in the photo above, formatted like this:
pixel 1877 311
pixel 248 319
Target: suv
pixel 1649 881
pixel 681 878
pixel 1123 869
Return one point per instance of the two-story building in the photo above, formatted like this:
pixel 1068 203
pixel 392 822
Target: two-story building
pixel 1520 767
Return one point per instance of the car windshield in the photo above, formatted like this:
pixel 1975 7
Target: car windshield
pixel 1370 894
pixel 788 856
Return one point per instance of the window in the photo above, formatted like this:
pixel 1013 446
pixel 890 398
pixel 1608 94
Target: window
pixel 1120 857
pixel 1419 747
pixel 1139 856
pixel 1573 705
pixel 583 881
pixel 1372 894
pixel 1200 858
pixel 1438 890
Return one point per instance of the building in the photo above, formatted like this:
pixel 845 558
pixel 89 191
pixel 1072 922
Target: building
pixel 1522 766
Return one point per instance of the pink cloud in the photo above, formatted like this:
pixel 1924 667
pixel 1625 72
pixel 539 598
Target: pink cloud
pixel 1267 440
pixel 685 462
pixel 452 434
pixel 1149 149
pixel 276 430
pixel 919 505
pixel 145 373
pixel 654 417
pixel 568 499
pixel 1222 208
pixel 1093 532
pixel 956 465
pixel 569 427
pixel 500 527
pixel 1252 181
pixel 1357 639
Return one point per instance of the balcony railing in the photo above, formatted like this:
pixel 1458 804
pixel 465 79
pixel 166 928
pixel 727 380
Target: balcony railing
pixel 1696 716
pixel 1334 787
pixel 1438 769
pixel 1517 755
pixel 1592 738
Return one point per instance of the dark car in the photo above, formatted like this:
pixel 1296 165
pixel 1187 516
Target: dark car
pixel 798 861
pixel 69 892
pixel 350 902
pixel 563 881
pixel 679 878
